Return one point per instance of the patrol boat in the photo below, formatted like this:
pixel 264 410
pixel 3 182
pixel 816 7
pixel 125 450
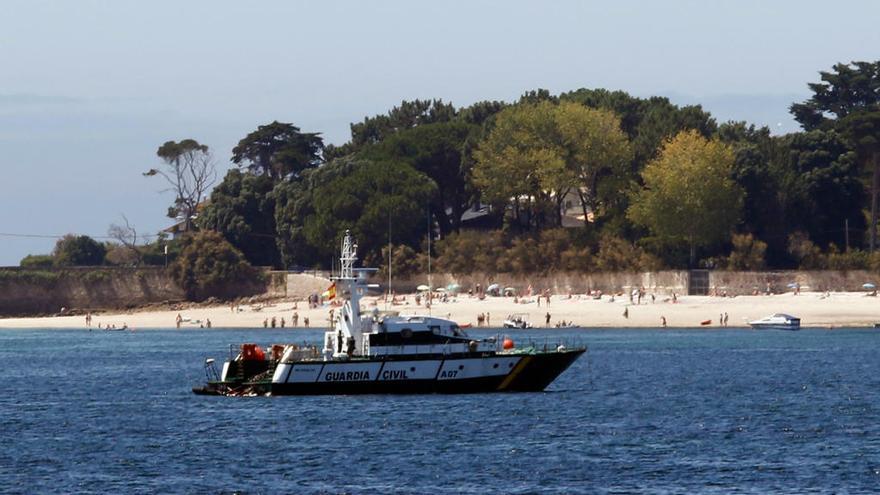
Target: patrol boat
pixel 376 354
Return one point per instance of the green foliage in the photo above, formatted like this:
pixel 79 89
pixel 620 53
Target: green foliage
pixel 37 261
pixel 438 150
pixel 537 153
pixel 822 186
pixel 36 277
pixel 82 250
pixel 804 252
pixel 119 255
pixel 688 192
pixel 363 196
pixel 405 262
pixel 470 251
pixel 279 150
pixel 847 89
pixel 242 208
pixel 209 266
pixel 619 255
pixel 848 101
pixel 748 253
pixel 408 115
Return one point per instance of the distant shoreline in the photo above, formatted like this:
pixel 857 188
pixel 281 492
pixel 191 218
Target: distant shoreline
pixel 816 310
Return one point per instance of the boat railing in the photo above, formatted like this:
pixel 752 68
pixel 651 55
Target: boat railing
pixel 548 344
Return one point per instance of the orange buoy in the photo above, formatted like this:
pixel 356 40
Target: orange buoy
pixel 507 344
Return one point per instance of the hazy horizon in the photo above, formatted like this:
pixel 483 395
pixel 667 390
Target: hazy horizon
pixel 89 90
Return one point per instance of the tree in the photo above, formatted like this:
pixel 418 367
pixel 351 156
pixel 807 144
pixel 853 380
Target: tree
pixel 127 236
pixel 540 152
pixel 595 147
pixel 848 100
pixel 78 250
pixel 522 161
pixel 406 116
pixel 823 193
pixel 370 199
pixel 242 208
pixel 688 193
pixel 190 172
pixel 279 150
pixel 439 151
pixel 208 266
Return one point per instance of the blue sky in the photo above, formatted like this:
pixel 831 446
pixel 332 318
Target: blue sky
pixel 90 89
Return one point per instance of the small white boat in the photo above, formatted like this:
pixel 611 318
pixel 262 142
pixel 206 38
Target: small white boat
pixel 779 321
pixel 517 320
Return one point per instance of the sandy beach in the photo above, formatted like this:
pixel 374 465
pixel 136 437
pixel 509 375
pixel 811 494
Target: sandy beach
pixel 836 309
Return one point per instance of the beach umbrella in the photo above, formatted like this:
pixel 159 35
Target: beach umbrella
pixel 423 288
pixel 453 287
pixel 869 286
pixel 792 285
pixel 439 289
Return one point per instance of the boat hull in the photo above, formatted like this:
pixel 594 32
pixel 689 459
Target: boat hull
pixel 775 327
pixel 440 375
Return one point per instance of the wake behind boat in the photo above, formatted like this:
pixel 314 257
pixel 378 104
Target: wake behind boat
pixel 374 353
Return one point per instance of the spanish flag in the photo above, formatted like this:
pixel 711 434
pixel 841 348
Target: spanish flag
pixel 331 292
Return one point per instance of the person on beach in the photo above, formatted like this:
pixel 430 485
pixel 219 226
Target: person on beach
pixel 306 322
pixel 488 320
pixel 207 323
pixel 295 319
pixel 283 322
pixel 626 312
pixel 663 321
pixel 547 319
pixel 726 316
pixel 178 320
pixel 265 322
pixel 721 320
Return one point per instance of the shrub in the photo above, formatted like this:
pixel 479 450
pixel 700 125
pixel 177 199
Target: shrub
pixel 471 251
pixel 120 255
pixel 807 254
pixel 78 250
pixel 209 266
pixel 747 254
pixel 405 262
pixel 37 261
pixel 619 255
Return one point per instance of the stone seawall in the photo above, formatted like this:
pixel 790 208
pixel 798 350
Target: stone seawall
pixel 32 292
pixel 662 282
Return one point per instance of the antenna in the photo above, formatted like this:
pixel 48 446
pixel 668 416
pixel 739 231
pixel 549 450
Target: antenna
pixel 390 253
pixel 430 285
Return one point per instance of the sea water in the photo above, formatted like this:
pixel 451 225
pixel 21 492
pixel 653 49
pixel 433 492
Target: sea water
pixel 659 411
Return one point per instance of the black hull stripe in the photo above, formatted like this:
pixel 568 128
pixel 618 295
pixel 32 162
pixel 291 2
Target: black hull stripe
pixel 534 376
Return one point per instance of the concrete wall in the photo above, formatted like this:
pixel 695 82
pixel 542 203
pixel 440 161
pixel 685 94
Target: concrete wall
pixel 297 285
pixel 819 280
pixel 578 283
pixel 26 292
pixel 662 282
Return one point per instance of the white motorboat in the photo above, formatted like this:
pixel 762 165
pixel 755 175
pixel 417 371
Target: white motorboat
pixel 517 320
pixel 779 321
